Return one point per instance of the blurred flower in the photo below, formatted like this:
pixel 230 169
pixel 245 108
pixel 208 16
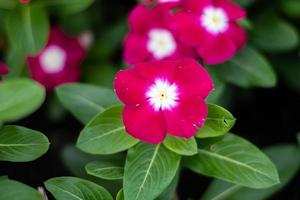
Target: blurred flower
pixel 86 39
pixel 151 39
pixel 24 1
pixel 163 97
pixel 59 62
pixel 211 26
pixel 3 70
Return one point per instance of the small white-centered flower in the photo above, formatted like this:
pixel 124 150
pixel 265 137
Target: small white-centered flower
pixel 53 59
pixel 163 95
pixel 214 20
pixel 161 43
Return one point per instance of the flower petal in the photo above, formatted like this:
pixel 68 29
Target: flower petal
pixel 135 50
pixel 216 50
pixel 196 6
pixel 188 28
pixel 234 11
pixel 143 123
pixel 237 34
pixel 156 70
pixel 185 119
pixel 192 79
pixel 141 18
pixel 130 87
pixel 3 69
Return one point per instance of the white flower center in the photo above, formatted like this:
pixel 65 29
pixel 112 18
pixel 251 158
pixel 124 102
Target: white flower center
pixel 161 43
pixel 214 20
pixel 162 95
pixel 53 59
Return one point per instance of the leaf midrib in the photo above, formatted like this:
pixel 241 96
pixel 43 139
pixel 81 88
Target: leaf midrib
pixel 148 171
pixel 65 191
pixel 91 103
pixel 227 192
pixel 16 145
pixel 234 161
pixel 103 135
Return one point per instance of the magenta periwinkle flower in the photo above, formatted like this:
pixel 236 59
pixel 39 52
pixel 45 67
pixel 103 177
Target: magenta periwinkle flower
pixel 211 26
pixel 59 62
pixel 24 1
pixel 150 37
pixel 163 97
pixel 3 70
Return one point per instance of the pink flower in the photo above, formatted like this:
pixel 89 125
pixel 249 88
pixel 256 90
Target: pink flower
pixel 151 39
pixel 24 1
pixel 59 62
pixel 163 97
pixel 3 70
pixel 211 26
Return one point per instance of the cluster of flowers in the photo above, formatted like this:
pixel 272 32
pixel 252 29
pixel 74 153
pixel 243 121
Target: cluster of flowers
pixel 172 29
pixel 164 92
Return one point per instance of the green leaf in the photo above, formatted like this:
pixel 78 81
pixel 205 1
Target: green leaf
pixel 66 6
pixel 248 69
pixel 245 3
pixel 287 164
pixel 181 146
pixel 298 138
pixel 218 122
pixel 76 160
pixel 169 193
pixel 19 98
pixel 4 4
pixel 269 27
pixel 149 169
pixel 16 62
pixel 71 188
pixel 105 170
pixel 13 190
pixel 120 195
pixel 235 160
pixel 105 134
pixel 27 29
pixel 89 98
pixel 290 8
pixel 18 144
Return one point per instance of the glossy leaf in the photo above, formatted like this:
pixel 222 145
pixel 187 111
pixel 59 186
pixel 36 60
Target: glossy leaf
pixel 89 98
pixel 290 8
pixel 4 4
pixel 149 169
pixel 218 122
pixel 75 161
pixel 287 164
pixel 245 3
pixel 66 6
pixel 248 69
pixel 71 188
pixel 19 98
pixel 105 134
pixel 27 29
pixel 269 27
pixel 13 190
pixel 181 146
pixel 120 195
pixel 18 144
pixel 169 193
pixel 105 170
pixel 235 160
